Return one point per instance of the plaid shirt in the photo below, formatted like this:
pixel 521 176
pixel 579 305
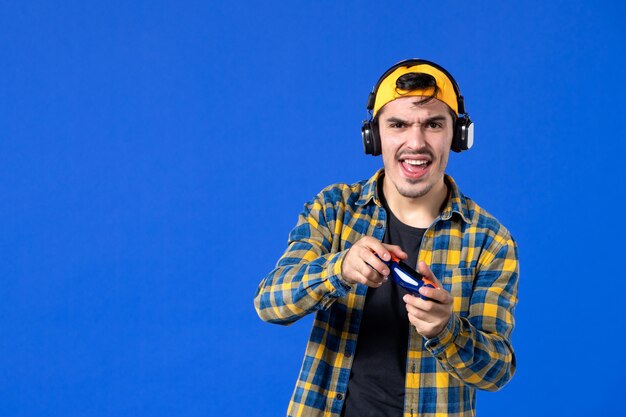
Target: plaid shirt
pixel 470 252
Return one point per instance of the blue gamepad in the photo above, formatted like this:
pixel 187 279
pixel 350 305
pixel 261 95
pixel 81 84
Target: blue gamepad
pixel 407 277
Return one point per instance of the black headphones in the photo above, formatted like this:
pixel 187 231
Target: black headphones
pixel 463 138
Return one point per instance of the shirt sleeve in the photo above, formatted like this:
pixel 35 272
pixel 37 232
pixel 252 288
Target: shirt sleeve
pixel 477 349
pixel 307 276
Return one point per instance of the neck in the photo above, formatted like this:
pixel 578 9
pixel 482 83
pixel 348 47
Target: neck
pixel 418 212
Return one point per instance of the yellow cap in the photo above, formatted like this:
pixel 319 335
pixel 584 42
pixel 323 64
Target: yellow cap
pixel 387 90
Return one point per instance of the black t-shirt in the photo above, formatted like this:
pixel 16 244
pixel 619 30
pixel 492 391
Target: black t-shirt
pixel 376 385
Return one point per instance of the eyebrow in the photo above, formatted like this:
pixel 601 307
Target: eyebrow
pixel 437 118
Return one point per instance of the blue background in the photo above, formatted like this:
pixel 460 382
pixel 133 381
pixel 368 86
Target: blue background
pixel 154 156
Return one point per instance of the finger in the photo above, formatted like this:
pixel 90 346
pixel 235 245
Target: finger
pixel 375 262
pixel 374 282
pixel 410 300
pixel 439 295
pixel 358 272
pixel 369 273
pixel 425 310
pixel 396 250
pixel 353 266
pixel 436 301
pixel 378 248
pixel 420 314
pixel 417 303
pixel 423 269
pixel 415 312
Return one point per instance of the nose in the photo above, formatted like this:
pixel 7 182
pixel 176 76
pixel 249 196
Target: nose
pixel 415 137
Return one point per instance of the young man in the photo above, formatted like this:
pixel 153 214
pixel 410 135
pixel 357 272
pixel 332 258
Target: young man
pixel 376 349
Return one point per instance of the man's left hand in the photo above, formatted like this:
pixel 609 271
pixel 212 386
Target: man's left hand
pixel 429 317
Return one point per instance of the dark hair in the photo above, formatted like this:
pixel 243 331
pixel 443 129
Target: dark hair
pixel 418 81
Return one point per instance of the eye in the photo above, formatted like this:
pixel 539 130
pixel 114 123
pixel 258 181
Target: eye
pixel 435 125
pixel 397 125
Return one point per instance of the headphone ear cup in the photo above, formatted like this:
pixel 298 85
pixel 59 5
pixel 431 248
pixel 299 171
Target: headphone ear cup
pixel 371 139
pixel 463 138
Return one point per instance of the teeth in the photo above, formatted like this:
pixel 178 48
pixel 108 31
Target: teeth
pixel 414 162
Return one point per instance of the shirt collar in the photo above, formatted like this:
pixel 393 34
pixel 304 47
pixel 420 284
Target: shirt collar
pixel 456 202
pixel 369 191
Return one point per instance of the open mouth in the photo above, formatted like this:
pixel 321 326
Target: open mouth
pixel 415 167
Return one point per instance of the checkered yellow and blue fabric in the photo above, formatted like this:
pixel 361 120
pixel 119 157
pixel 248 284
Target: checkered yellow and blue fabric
pixel 470 252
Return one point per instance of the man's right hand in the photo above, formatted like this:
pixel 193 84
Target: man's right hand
pixel 361 265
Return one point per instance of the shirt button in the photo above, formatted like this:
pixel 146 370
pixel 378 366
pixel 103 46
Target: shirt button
pixel 340 396
pixel 348 354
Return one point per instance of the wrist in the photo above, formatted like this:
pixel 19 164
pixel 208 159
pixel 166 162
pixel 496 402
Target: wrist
pixel 437 331
pixel 441 341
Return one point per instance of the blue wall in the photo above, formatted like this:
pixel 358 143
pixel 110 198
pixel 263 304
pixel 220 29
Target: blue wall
pixel 154 156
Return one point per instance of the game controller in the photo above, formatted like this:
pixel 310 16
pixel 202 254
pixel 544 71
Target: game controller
pixel 407 277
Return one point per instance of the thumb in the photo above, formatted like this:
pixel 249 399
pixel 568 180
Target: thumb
pixel 423 269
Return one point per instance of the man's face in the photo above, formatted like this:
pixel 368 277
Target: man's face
pixel 415 140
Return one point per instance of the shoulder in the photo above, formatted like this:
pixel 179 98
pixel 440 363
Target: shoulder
pixel 482 219
pixel 483 225
pixel 344 194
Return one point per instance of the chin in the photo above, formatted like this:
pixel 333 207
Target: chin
pixel 413 192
